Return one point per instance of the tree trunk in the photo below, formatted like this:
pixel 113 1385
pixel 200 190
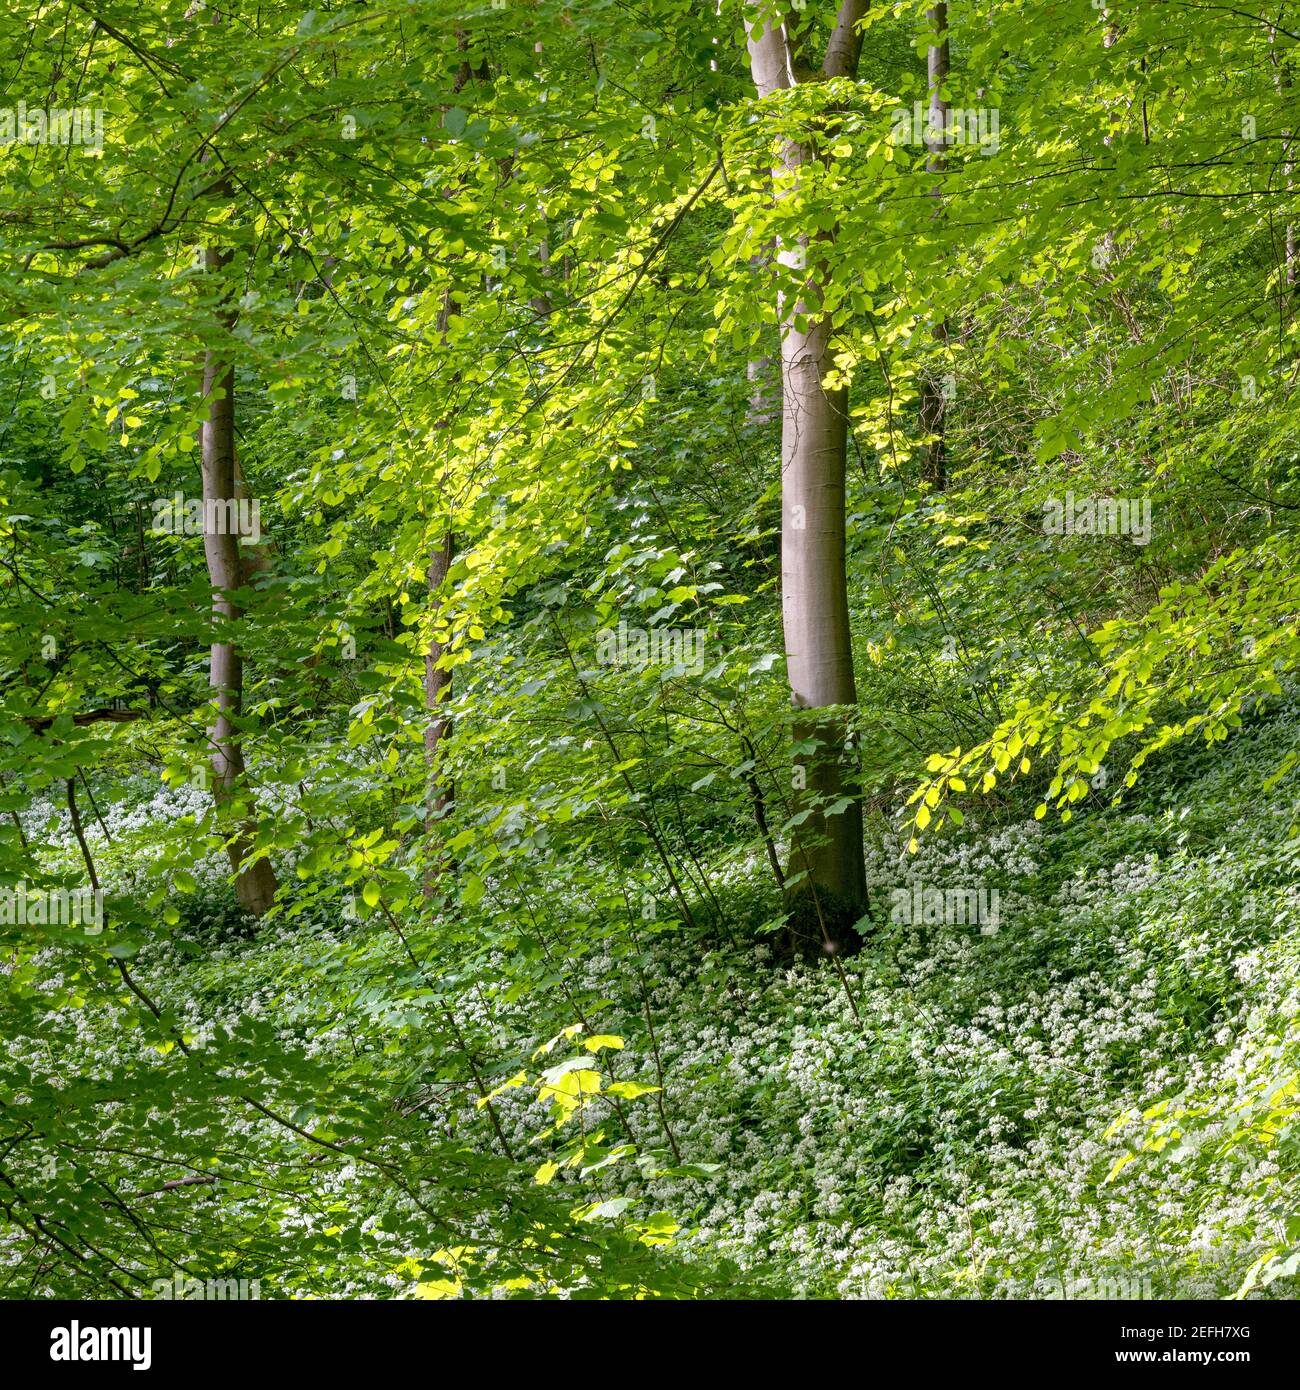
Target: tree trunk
pixel 934 398
pixel 1282 78
pixel 254 882
pixel 440 792
pixel 437 691
pixel 818 642
pixel 826 883
pixel 761 407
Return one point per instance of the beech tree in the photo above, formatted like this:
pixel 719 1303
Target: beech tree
pixel 229 571
pixel 826 883
pixel 491 305
pixel 934 395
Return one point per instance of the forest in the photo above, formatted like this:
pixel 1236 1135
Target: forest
pixel 649 650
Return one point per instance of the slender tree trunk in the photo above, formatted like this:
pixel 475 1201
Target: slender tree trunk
pixel 254 559
pixel 826 883
pixel 437 692
pixel 254 882
pixel 441 793
pixel 818 640
pixel 1282 77
pixel 1108 40
pixel 540 303
pixel 934 397
pixel 760 372
pixel 761 407
pixel 437 681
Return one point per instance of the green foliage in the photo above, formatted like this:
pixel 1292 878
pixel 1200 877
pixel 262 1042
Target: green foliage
pixel 509 275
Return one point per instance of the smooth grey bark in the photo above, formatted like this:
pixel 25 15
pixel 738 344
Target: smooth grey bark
pixel 826 879
pixel 437 692
pixel 254 881
pixel 761 408
pixel 440 793
pixel 818 638
pixel 254 559
pixel 934 402
pixel 1282 76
